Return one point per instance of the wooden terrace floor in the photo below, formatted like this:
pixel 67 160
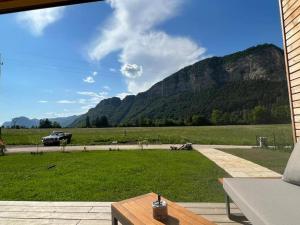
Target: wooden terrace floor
pixel 91 213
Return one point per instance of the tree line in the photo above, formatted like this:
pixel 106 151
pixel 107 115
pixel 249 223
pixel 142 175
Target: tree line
pixel 258 115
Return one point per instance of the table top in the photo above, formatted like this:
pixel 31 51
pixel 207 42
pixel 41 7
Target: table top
pixel 138 211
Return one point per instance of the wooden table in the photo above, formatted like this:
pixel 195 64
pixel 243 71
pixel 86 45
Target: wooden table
pixel 138 211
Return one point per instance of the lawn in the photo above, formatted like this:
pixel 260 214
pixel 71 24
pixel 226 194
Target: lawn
pixel 274 160
pixel 110 176
pixel 235 135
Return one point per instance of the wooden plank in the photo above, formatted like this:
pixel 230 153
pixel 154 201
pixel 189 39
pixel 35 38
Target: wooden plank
pixel 296 97
pixel 293 46
pixel 296 104
pixel 295 82
pixel 295 75
pixel 292 17
pixel 9 6
pixel 293 31
pixel 288 4
pixel 297 111
pixel 297 118
pixel 294 69
pixel 294 60
pixel 57 215
pixel 290 10
pixel 295 89
pixel 293 23
pixel 294 53
pixel 24 221
pixel 293 38
pixel 284 2
pixel 68 209
pixel 55 204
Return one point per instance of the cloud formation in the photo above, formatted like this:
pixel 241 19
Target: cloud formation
pixel 38 20
pixel 91 99
pixel 66 102
pixel 132 30
pixel 132 70
pixel 43 101
pixel 89 80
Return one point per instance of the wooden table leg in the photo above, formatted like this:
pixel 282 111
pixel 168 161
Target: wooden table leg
pixel 114 221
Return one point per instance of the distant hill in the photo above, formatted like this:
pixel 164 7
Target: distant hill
pixel 22 121
pixel 240 88
pixel 28 123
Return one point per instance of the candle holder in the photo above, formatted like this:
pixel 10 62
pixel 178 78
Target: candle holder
pixel 160 209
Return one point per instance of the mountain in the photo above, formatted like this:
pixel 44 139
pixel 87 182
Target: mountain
pixel 22 122
pixel 64 121
pixel 237 89
pixel 28 123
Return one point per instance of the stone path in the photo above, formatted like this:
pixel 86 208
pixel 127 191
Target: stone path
pixel 235 166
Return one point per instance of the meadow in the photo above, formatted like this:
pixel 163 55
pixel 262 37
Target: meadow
pixel 233 135
pixel 110 176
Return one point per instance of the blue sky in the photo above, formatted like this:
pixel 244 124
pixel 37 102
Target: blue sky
pixel 62 61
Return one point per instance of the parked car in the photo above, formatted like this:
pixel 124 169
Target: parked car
pixel 56 137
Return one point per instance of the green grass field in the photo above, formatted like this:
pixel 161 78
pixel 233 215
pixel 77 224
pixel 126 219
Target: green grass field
pixel 110 176
pixel 235 135
pixel 272 159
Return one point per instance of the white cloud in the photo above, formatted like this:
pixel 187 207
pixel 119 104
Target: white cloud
pixel 42 101
pixel 107 88
pixel 61 114
pixel 93 97
pixel 38 20
pixel 132 70
pixel 66 102
pixel 112 70
pixel 89 80
pixel 95 73
pixel 132 31
pixel 123 95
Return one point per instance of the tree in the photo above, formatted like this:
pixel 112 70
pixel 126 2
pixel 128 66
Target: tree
pixel 56 125
pixel 216 117
pixel 260 115
pixel 199 120
pixel 46 123
pixel 281 114
pixel 87 122
pixel 101 122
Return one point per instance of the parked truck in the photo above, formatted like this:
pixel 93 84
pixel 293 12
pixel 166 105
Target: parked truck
pixel 56 137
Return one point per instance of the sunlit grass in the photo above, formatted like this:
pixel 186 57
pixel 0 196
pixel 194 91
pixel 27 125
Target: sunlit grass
pixel 109 176
pixel 235 135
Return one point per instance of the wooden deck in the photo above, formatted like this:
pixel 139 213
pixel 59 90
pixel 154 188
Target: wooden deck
pixel 92 213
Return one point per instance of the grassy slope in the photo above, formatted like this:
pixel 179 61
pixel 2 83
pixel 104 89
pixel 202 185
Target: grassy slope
pixel 236 135
pixel 110 176
pixel 274 160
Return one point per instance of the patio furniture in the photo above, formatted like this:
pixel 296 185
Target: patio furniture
pixel 268 201
pixel 138 211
